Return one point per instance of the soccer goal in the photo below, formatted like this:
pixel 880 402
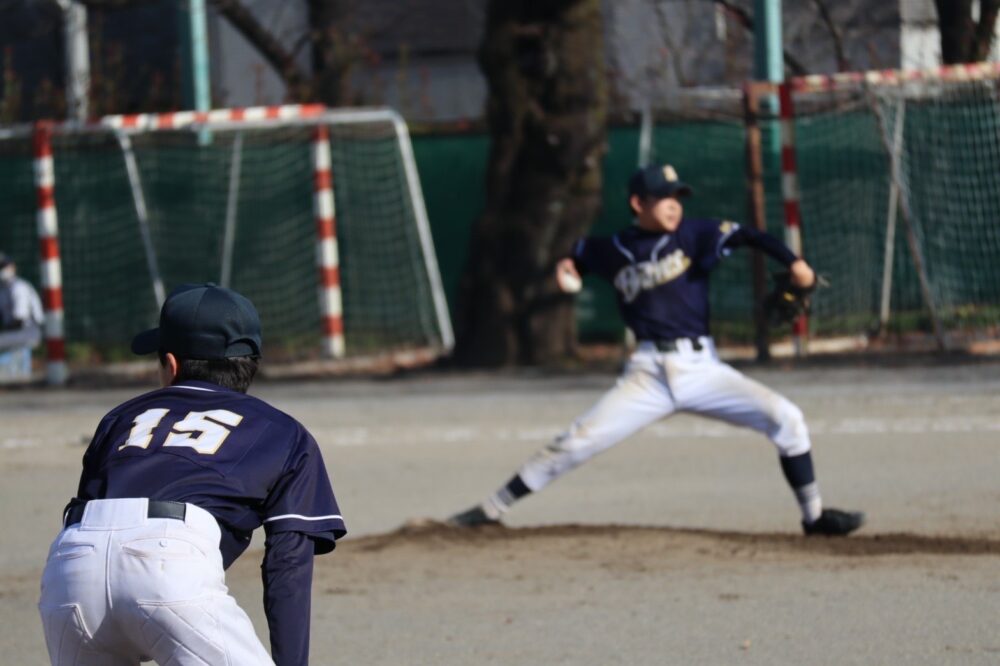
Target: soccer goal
pixel 899 174
pixel 317 215
pixel 887 182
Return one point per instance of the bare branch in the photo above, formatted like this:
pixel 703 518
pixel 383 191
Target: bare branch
pixel 665 32
pixel 740 14
pixel 243 20
pixel 843 65
pixel 743 17
pixel 282 60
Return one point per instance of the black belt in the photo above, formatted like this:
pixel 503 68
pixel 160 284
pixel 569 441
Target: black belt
pixel 671 345
pixel 157 509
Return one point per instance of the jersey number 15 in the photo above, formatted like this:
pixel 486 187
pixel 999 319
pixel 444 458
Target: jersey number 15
pixel 202 431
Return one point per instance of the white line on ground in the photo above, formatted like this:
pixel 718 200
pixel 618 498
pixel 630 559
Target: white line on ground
pixel 407 436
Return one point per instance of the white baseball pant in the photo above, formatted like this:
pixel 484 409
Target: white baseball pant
pixel 657 384
pixel 120 588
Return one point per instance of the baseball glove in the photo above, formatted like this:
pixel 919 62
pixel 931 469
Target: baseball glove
pixel 786 302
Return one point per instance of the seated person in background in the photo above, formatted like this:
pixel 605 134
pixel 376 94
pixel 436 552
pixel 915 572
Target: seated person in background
pixel 20 321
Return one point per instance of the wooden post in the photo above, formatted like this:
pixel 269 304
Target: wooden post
pixel 756 210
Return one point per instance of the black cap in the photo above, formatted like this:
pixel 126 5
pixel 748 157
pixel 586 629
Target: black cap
pixel 203 321
pixel 657 181
pixel 5 260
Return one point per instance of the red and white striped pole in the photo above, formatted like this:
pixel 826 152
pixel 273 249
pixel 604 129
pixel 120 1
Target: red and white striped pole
pixel 51 264
pixel 327 256
pixel 790 198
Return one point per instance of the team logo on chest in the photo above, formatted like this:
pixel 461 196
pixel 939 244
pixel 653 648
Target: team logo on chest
pixel 635 278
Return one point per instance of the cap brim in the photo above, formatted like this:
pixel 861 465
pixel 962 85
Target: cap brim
pixel 146 342
pixel 675 189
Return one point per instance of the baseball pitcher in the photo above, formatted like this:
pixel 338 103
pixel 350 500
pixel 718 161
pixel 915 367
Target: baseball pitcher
pixel 660 269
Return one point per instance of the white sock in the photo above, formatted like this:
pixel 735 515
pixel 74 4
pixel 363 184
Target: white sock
pixel 810 502
pixel 498 503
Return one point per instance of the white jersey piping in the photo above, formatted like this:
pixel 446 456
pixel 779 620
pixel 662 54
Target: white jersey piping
pixel 298 517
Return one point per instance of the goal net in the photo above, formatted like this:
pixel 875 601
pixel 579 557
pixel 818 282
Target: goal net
pixel 900 196
pixel 895 177
pixel 317 217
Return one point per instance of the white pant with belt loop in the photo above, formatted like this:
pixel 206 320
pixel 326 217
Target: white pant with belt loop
pixel 120 588
pixel 656 384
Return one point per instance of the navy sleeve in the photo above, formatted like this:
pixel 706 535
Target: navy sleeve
pixel 596 255
pixel 710 239
pixel 90 480
pixel 302 499
pixel 761 240
pixel 287 572
pixel 578 255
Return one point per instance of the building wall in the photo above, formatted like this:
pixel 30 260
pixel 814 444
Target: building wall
pixel 240 75
pixel 423 57
pixel 420 55
pixel 133 58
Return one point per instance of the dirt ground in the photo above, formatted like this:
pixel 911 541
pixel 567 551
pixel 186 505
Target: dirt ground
pixel 680 546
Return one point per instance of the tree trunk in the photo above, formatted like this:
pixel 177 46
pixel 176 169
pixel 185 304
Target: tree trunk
pixel 986 30
pixel 547 111
pixel 962 39
pixel 956 26
pixel 334 51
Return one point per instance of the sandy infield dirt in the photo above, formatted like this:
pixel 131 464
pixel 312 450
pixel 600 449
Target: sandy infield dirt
pixel 679 546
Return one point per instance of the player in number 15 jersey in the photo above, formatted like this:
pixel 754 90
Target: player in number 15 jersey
pixel 176 481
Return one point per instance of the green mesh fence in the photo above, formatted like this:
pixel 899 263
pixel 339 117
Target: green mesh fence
pixel 844 179
pixel 948 155
pixel 945 141
pixel 185 179
pixel 948 158
pixel 387 293
pixel 453 175
pixel 18 237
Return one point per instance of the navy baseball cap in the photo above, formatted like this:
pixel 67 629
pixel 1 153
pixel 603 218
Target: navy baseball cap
pixel 657 181
pixel 203 321
pixel 5 260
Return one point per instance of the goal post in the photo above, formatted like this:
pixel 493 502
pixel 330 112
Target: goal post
pixel 280 203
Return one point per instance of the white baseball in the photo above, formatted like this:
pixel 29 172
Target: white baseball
pixel 569 281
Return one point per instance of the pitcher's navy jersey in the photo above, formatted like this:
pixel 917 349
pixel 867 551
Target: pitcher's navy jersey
pixel 245 462
pixel 661 279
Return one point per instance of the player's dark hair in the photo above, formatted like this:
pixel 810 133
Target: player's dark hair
pixel 628 202
pixel 231 373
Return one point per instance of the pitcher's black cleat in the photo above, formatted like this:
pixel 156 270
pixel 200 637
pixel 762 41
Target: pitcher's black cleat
pixel 834 522
pixel 474 517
